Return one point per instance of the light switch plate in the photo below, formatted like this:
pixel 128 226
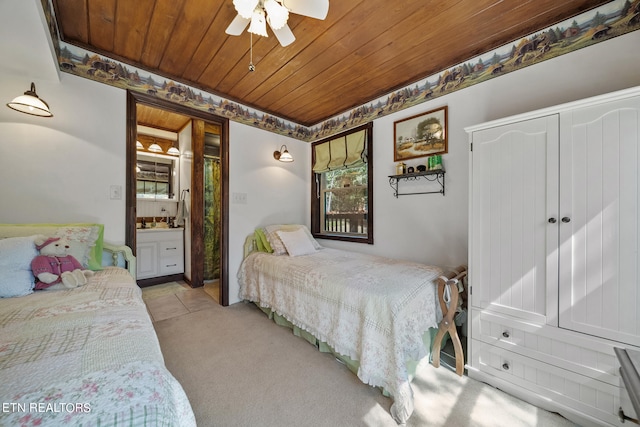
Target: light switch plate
pixel 115 192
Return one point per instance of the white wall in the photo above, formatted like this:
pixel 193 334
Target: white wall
pixel 432 228
pixel 276 192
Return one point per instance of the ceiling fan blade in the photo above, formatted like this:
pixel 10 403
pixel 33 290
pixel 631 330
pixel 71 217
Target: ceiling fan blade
pixel 237 26
pixel 284 35
pixel 317 9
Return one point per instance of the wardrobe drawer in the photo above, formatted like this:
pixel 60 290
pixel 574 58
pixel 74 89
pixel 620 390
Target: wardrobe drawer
pixel 588 395
pixel 580 353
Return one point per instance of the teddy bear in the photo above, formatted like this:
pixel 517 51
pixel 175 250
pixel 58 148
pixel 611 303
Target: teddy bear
pixel 54 268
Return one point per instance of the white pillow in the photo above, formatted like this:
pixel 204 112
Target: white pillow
pixel 271 233
pixel 296 242
pixel 16 278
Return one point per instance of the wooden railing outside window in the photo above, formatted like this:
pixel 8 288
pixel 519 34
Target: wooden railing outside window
pixel 347 223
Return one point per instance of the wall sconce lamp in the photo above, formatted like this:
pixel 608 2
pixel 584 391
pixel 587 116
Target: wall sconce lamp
pixel 29 103
pixel 283 155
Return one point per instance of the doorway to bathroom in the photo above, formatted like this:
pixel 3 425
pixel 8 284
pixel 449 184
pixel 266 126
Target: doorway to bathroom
pixel 200 228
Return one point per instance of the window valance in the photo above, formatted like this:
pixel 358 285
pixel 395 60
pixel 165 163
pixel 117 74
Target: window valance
pixel 342 152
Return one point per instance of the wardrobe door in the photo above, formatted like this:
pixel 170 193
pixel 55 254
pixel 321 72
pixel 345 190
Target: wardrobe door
pixel 514 230
pixel 599 220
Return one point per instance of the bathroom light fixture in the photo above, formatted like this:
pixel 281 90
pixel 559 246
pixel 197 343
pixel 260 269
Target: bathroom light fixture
pixel 155 148
pixel 139 145
pixel 173 151
pixel 30 103
pixel 283 155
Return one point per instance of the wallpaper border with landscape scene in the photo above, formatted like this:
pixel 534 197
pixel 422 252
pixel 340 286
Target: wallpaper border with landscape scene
pixel 597 25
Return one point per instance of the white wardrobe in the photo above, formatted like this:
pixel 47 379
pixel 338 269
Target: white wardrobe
pixel 554 270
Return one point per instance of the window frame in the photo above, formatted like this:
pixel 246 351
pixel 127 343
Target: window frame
pixel 316 191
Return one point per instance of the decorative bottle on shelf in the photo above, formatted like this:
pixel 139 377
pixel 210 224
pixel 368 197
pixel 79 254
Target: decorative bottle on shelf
pixel 435 162
pixel 401 168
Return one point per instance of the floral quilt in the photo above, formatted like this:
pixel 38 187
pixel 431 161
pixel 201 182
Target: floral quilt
pixel 372 309
pixel 87 356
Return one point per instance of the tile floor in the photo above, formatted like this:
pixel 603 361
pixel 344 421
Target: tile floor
pixel 180 302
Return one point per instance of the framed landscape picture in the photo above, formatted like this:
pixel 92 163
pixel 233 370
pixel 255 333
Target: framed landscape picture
pixel 421 135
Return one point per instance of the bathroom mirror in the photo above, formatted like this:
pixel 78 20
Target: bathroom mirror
pixel 157 177
pixel 157 164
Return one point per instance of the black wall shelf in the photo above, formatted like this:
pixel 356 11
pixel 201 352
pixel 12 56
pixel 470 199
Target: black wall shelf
pixel 432 176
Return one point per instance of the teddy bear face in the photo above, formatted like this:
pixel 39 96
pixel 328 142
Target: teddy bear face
pixel 55 249
pixel 54 246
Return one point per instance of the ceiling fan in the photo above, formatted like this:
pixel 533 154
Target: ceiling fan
pixel 257 13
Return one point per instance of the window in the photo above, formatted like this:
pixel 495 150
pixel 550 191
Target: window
pixel 342 186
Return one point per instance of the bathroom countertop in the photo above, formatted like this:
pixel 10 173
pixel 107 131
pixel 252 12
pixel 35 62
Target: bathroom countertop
pixel 144 230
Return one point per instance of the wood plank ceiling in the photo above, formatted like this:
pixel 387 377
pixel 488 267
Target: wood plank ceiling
pixel 160 119
pixel 363 49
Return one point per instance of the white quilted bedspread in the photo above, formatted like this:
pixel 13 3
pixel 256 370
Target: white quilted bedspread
pixel 87 357
pixel 373 309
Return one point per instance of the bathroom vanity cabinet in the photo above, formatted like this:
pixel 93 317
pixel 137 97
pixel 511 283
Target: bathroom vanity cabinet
pixel 160 252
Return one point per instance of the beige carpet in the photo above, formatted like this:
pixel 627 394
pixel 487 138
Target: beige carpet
pixel 240 369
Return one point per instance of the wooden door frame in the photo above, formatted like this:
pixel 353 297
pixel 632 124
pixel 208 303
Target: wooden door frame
pixel 197 186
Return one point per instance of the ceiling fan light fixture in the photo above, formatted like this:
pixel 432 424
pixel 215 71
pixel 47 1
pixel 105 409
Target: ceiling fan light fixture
pixel 255 14
pixel 245 8
pixel 258 23
pixel 277 15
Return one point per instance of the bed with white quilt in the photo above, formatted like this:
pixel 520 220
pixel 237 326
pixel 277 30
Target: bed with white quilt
pixel 86 356
pixel 380 313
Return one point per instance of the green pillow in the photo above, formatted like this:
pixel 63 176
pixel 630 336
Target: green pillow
pixel 259 246
pixel 262 238
pixel 95 255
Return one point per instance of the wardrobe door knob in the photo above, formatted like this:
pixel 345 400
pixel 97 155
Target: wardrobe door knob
pixel 552 220
pixel 505 366
pixel 566 219
pixel 505 334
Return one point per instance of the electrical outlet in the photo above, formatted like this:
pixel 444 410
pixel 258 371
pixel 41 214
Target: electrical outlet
pixel 115 192
pixel 239 198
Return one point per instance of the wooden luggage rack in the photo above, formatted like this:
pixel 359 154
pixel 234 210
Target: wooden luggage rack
pixel 448 294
